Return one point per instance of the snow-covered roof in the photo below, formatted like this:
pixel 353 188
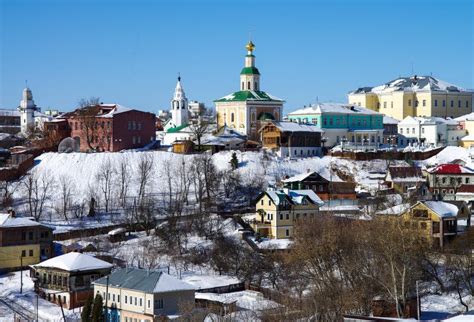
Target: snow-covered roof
pixel 412 84
pixel 466 117
pixel 11 113
pixel 427 120
pixel 333 108
pixel 149 281
pixel 468 138
pixel 74 262
pixel 6 220
pixel 296 127
pixel 116 109
pixel 224 135
pixel 302 176
pixel 443 209
pixel 451 168
pixel 395 210
pixel 389 120
pixel 294 196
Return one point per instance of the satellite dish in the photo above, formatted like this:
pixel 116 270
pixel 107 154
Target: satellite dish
pixel 69 145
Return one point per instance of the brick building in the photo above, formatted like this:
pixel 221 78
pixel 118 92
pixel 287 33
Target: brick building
pixel 106 127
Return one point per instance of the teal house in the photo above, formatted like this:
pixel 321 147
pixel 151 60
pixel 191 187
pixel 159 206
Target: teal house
pixel 353 126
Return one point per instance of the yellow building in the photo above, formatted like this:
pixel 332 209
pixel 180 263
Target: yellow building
pixel 277 211
pixel 23 242
pixel 414 96
pixel 436 220
pixel 246 109
pixel 143 295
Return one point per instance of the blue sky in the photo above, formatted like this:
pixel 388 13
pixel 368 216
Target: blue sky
pixel 130 52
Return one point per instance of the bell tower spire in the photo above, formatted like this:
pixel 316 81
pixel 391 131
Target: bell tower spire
pixel 250 76
pixel 179 105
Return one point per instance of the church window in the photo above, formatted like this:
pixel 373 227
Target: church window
pixel 424 102
pixel 384 104
pixel 248 85
pixel 232 117
pixel 409 102
pixel 391 104
pixel 242 86
pixel 256 86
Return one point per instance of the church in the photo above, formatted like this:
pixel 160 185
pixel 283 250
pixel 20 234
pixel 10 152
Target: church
pixel 245 110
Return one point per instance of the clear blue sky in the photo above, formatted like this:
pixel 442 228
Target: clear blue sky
pixel 130 52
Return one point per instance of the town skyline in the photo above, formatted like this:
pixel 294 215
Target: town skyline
pixel 305 53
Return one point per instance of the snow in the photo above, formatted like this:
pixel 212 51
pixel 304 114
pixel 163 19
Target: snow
pixel 249 300
pixel 420 84
pixel 443 209
pixel 168 283
pixel 206 281
pixel 296 127
pixel 333 108
pixel 75 262
pixel 447 155
pixel 7 221
pixel 395 210
pixel 10 290
pixel 267 243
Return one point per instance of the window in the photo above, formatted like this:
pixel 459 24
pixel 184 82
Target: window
pixel 269 202
pixel 248 85
pixel 443 180
pixel 467 180
pixel 243 86
pixel 30 235
pixel 416 103
pixel 409 102
pixel 423 225
pixel 23 235
pixel 141 301
pixel 287 232
pixel 129 125
pixel 423 130
pixel 281 216
pixel 459 103
pixel 23 253
pixel 424 102
pixel 401 130
pixel 125 299
pixel 139 139
pixel 256 86
pixel 436 103
pixel 413 130
pixel 31 252
pixel 232 117
pixel 384 104
pixel 113 297
pixel 287 216
pixel 261 202
pixel 444 103
pixel 467 103
pixel 452 103
pixel 134 140
pixel 139 126
pixel 135 300
pixel 148 303
pixel 159 304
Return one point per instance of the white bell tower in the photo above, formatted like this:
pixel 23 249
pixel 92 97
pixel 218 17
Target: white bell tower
pixel 27 109
pixel 179 106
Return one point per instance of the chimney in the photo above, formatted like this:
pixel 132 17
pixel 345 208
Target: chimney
pixel 308 170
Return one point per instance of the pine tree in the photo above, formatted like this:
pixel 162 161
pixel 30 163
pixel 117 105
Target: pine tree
pixel 234 162
pixel 97 309
pixel 87 310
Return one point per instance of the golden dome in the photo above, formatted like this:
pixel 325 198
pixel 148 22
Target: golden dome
pixel 250 46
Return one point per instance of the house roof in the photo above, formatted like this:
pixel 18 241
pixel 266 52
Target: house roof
pixel 451 169
pixel 333 108
pixel 241 96
pixel 411 84
pixel 389 120
pixel 405 173
pixel 303 176
pixel 395 210
pixel 7 221
pixel 294 196
pixel 295 127
pixel 442 209
pixel 427 120
pixel 144 280
pixel 466 117
pixel 75 262
pixel 466 188
pixel 177 128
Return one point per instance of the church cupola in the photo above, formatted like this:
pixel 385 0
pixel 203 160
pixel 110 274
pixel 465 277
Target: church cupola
pixel 179 105
pixel 250 76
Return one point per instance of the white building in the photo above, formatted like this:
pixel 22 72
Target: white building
pixel 429 131
pixel 179 107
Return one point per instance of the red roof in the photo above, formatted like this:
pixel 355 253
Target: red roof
pixel 451 169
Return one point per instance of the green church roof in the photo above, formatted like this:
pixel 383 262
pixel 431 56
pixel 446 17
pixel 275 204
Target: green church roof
pixel 250 71
pixel 177 129
pixel 242 96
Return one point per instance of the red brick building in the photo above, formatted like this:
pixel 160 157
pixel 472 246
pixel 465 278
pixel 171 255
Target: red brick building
pixel 106 127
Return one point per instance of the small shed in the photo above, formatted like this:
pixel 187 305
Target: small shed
pixel 117 234
pixel 183 146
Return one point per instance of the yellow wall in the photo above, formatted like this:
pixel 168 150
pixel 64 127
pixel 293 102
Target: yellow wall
pixel 10 256
pixel 417 222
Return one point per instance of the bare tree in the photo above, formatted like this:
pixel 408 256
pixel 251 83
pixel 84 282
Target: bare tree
pixel 8 188
pixel 124 181
pixel 105 178
pixel 145 167
pixel 37 187
pixel 66 189
pixel 198 128
pixel 88 109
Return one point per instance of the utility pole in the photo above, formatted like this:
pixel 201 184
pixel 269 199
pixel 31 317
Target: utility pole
pixel 417 301
pixel 37 315
pixel 21 274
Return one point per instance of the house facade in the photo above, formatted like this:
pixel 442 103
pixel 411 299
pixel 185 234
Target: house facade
pixel 278 210
pixel 423 96
pixel 106 127
pixel 23 242
pixel 290 139
pixel 350 125
pixel 436 220
pixel 67 279
pixel 430 131
pixel 246 109
pixel 133 294
pixel 401 179
pixel 444 180
pixel 326 188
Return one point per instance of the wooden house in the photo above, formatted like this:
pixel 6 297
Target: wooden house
pixel 401 179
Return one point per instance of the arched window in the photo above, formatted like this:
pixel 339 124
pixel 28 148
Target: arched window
pixel 243 86
pixel 248 85
pixel 232 117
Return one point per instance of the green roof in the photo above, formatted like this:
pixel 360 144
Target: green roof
pixel 177 129
pixel 132 279
pixel 250 71
pixel 242 96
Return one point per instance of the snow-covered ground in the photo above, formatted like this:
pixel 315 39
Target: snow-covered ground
pixel 248 300
pixel 10 289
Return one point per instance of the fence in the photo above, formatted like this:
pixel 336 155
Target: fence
pixel 386 155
